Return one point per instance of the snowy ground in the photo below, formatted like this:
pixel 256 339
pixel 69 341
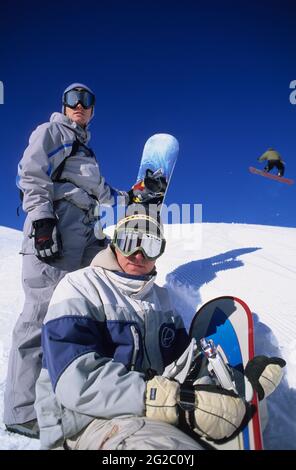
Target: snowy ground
pixel 202 261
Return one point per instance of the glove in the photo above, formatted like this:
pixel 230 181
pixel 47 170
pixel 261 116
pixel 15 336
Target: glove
pixel 47 240
pixel 214 412
pixel 265 373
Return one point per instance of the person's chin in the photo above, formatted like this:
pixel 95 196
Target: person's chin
pixel 136 270
pixel 79 121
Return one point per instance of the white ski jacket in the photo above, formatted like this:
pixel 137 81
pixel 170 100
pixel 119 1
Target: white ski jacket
pixel 103 331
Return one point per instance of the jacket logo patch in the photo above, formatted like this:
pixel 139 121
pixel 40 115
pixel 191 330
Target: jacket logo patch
pixel 153 394
pixel 167 337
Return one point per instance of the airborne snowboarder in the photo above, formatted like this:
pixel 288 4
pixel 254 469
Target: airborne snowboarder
pixel 273 160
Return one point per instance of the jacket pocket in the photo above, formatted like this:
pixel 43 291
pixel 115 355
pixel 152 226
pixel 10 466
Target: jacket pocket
pixel 28 247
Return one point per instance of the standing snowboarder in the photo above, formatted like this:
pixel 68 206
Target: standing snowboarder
pixel 273 159
pixel 61 184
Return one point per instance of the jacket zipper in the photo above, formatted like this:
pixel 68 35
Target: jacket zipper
pixel 144 338
pixel 135 336
pixel 144 335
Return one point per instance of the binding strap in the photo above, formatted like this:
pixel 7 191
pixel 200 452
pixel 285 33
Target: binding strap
pixel 187 405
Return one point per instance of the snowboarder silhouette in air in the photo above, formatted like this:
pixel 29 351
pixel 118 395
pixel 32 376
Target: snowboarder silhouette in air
pixel 273 159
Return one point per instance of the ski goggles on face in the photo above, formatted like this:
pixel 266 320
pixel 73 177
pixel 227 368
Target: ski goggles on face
pixel 84 97
pixel 129 242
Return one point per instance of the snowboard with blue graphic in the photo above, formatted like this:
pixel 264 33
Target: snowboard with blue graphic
pixel 156 167
pixel 228 322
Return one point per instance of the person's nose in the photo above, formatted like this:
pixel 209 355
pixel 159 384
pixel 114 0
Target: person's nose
pixel 79 105
pixel 139 255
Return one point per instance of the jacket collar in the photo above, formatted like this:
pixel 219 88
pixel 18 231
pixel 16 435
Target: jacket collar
pixel 82 134
pixel 135 286
pixel 107 260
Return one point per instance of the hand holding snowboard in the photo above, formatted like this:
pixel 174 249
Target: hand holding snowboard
pixel 213 413
pixel 209 410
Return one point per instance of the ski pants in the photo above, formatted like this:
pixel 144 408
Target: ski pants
pixel 131 433
pixel 39 280
pixel 275 163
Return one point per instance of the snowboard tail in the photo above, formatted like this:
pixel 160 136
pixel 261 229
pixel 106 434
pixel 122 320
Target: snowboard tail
pixel 156 167
pixel 228 322
pixel 281 179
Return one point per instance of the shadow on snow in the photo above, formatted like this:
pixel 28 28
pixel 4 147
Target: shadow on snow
pixel 185 281
pixel 281 415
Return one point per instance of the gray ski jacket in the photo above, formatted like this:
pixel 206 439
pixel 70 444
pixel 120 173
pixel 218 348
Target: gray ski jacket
pixel 103 331
pixel 80 182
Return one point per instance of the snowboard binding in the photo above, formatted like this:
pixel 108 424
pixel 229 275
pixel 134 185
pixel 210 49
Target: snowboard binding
pixel 150 190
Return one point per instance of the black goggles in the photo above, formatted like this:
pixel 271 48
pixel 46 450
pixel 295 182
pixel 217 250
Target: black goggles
pixel 129 242
pixel 84 97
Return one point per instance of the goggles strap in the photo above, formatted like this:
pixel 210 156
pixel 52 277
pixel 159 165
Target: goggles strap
pixel 140 217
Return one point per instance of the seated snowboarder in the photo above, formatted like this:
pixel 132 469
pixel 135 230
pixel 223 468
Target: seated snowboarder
pixel 108 335
pixel 273 159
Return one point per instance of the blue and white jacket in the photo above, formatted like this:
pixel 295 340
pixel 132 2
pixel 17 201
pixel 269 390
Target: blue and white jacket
pixel 104 329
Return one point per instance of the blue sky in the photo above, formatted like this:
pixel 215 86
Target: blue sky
pixel 214 74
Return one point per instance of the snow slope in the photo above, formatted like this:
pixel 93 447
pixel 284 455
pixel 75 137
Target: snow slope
pixel 202 261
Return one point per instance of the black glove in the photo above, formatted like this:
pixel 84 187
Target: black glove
pixel 264 373
pixel 47 240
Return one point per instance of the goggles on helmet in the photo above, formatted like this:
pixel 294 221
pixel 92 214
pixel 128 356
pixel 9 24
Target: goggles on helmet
pixel 84 97
pixel 129 242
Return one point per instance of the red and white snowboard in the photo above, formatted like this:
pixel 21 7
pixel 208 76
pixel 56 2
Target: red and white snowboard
pixel 281 179
pixel 228 322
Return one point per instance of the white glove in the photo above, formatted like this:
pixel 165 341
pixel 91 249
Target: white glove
pixel 216 413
